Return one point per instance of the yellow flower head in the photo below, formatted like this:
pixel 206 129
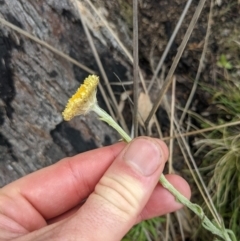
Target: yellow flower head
pixel 83 100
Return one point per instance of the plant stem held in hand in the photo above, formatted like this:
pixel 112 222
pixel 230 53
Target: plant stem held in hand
pixel 84 101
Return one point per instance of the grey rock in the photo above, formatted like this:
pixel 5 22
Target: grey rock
pixel 35 85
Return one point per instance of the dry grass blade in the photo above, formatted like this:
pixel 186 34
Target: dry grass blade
pixel 127 53
pixel 172 125
pixel 100 66
pixel 97 60
pixel 186 153
pixel 177 214
pixel 135 66
pixel 44 44
pixel 167 232
pixel 122 83
pixel 116 38
pixel 168 80
pixel 208 200
pixel 185 149
pixel 170 161
pixel 215 127
pixel 164 55
pixel 106 99
pixel 200 67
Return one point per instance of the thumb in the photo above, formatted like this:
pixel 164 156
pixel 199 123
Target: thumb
pixel 121 194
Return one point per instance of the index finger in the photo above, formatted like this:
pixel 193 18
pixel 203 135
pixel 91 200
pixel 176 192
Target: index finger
pixel 54 190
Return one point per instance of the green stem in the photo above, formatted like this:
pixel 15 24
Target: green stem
pixel 104 116
pixel 206 223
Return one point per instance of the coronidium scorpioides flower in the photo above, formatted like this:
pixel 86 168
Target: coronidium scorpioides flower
pixel 83 100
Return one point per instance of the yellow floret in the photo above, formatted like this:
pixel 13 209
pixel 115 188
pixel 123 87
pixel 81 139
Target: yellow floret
pixel 83 100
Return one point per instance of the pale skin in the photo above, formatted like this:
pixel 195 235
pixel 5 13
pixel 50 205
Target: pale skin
pixel 97 195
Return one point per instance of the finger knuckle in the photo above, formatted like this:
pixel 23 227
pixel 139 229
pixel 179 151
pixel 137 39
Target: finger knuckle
pixel 119 192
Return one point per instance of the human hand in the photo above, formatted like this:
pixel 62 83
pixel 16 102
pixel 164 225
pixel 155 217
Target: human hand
pixel 118 182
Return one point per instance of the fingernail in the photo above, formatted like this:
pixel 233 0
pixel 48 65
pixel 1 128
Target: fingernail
pixel 143 155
